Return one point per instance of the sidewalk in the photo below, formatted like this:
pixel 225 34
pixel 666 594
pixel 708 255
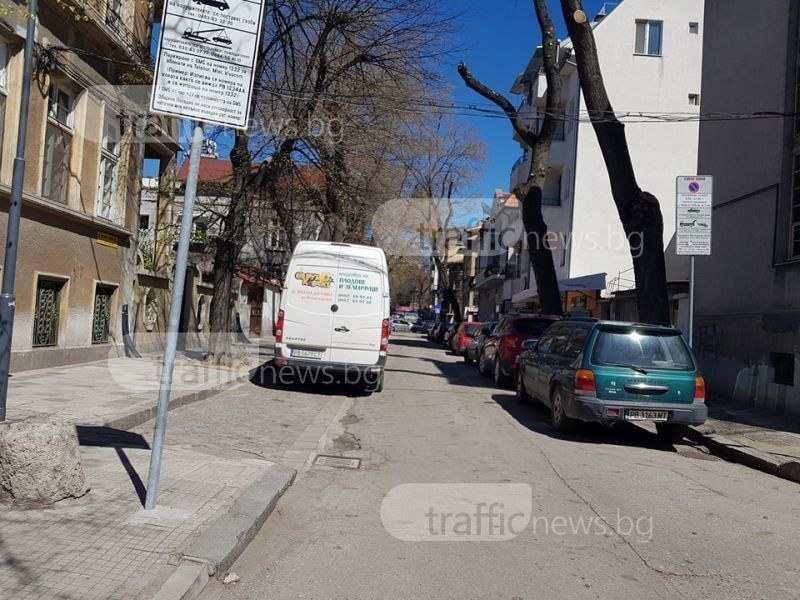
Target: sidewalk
pixel 211 500
pixel 755 438
pixel 118 392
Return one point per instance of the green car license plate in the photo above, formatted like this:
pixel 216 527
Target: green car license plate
pixel 647 415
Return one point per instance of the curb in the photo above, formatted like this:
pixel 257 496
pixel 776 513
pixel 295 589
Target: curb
pixel 728 449
pixel 218 547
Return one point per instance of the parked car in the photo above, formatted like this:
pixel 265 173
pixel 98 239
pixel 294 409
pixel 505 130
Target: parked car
pixel 321 327
pixel 475 344
pixel 448 334
pixel 609 372
pixel 462 336
pixel 437 332
pixel 421 326
pixel 499 356
pixel 400 325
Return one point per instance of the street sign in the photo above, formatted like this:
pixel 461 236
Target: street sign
pixel 693 222
pixel 206 61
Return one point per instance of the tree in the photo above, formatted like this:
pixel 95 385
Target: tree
pixel 313 50
pixel 530 192
pixel 639 211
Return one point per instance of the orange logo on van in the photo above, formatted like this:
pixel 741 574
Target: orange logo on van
pixel 318 280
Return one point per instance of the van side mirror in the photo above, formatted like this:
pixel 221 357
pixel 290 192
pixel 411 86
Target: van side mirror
pixel 530 345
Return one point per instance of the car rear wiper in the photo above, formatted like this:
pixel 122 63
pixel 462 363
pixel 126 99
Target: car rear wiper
pixel 641 370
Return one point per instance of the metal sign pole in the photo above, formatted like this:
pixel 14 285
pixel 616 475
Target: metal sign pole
pixel 178 283
pixel 7 298
pixel 691 301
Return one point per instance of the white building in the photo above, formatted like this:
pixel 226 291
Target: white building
pixel 650 53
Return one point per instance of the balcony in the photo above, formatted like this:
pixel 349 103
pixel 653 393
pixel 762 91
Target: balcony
pixel 128 33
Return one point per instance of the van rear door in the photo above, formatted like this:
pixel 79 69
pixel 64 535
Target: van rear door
pixel 360 305
pixel 311 295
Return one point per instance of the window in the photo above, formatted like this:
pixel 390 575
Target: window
pixel 101 316
pixel 794 239
pixel 620 347
pixel 576 341
pixel 46 316
pixel 144 221
pixel 694 27
pixel 60 105
pixel 648 37
pixel 55 170
pixel 109 159
pixel 694 99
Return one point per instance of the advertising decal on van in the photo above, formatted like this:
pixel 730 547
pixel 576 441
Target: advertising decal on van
pixel 356 288
pixel 322 280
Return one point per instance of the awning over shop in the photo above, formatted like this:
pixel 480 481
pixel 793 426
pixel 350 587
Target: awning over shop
pixel 585 283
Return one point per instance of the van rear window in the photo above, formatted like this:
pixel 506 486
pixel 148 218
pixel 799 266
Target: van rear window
pixel 646 349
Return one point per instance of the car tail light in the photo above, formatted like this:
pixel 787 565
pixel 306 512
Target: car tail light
pixel 385 335
pixel 699 390
pixel 279 327
pixel 584 381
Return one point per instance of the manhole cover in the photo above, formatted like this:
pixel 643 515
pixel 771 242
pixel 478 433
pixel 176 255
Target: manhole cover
pixel 340 462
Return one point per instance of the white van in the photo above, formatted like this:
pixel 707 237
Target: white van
pixel 334 314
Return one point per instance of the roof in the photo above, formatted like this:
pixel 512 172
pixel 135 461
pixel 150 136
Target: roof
pixel 218 170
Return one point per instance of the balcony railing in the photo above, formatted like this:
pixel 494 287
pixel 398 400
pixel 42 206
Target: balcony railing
pixel 112 22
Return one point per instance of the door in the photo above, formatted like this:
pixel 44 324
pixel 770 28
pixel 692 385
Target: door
pixel 547 359
pixel 310 299
pixel 359 307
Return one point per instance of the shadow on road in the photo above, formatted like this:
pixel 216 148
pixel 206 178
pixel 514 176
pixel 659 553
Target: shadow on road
pixel 536 417
pixel 106 437
pixel 309 381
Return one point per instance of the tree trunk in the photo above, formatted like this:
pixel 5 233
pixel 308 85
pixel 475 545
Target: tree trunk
pixel 638 211
pixel 540 254
pixel 449 297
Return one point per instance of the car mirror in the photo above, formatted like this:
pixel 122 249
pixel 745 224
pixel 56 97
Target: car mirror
pixel 530 345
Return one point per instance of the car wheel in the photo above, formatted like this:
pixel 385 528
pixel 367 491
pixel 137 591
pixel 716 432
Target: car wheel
pixel 467 358
pixel 500 380
pixel 671 433
pixel 558 415
pixel 482 365
pixel 523 397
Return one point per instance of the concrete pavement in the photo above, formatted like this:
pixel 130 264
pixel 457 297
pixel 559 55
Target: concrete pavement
pixel 718 530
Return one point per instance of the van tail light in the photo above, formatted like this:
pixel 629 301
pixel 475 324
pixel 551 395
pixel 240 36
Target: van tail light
pixel 279 327
pixel 584 382
pixel 699 390
pixel 385 335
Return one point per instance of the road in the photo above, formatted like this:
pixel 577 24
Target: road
pixel 665 524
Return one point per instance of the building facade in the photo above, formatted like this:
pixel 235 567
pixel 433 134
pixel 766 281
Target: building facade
pixel 77 264
pixel 650 53
pixel 747 324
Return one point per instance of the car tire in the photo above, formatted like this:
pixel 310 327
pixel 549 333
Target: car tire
pixel 671 433
pixel 467 358
pixel 558 415
pixel 523 397
pixel 482 365
pixel 500 380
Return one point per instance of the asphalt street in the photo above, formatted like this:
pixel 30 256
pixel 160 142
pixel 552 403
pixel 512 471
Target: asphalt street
pixel 610 513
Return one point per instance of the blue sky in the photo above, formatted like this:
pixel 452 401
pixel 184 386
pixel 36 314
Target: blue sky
pixel 496 39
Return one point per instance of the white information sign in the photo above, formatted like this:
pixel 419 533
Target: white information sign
pixel 693 225
pixel 206 60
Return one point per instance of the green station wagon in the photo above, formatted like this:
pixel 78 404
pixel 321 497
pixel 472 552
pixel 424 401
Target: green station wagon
pixel 609 372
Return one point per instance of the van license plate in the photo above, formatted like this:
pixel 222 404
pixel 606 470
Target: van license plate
pixel 646 415
pixel 315 354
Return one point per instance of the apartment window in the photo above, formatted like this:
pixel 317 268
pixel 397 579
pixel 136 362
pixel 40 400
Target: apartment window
pixel 794 244
pixel 144 221
pixel 694 99
pixel 60 106
pixel 109 159
pixel 694 27
pixel 649 37
pixel 46 315
pixel 57 144
pixel 101 316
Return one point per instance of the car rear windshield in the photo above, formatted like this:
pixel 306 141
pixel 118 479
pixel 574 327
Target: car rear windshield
pixel 531 326
pixel 471 328
pixel 647 349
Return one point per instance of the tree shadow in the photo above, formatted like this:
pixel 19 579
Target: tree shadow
pixel 106 437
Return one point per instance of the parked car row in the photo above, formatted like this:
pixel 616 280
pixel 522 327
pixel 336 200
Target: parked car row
pixel 587 370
